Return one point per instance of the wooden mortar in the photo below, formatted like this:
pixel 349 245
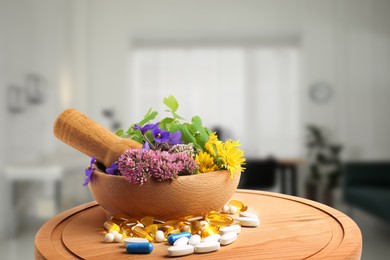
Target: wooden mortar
pixel 186 195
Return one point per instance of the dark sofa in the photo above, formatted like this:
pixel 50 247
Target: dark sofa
pixel 366 185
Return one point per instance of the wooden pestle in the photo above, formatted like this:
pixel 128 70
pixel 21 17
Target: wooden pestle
pixel 82 133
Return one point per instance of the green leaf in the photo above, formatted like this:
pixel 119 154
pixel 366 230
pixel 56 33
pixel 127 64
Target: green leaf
pixel 171 103
pixel 177 116
pixel 186 135
pixel 119 132
pixel 149 116
pixel 166 123
pixel 201 134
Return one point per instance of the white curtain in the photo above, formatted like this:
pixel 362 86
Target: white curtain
pixel 251 93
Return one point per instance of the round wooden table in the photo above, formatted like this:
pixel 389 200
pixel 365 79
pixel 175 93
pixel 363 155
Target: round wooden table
pixel 290 228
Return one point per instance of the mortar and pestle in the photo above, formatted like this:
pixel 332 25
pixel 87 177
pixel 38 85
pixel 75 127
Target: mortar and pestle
pixel 184 196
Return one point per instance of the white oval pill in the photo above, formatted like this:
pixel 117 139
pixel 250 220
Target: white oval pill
pixel 134 240
pixel 181 241
pixel 232 228
pixel 195 218
pixel 180 250
pixel 228 238
pixel 248 215
pixel 207 247
pixel 249 222
pixel 194 240
pixel 214 237
pixel 109 237
pixel 159 236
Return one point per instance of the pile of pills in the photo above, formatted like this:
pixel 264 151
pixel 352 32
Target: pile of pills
pixel 187 235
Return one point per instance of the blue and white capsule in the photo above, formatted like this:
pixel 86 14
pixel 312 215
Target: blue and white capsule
pixel 173 237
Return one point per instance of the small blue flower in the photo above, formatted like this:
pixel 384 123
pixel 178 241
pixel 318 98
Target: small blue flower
pixel 113 170
pixel 174 138
pixel 146 146
pixel 89 170
pixel 147 127
pixel 160 136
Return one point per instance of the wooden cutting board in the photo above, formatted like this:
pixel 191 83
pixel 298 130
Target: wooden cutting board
pixel 290 228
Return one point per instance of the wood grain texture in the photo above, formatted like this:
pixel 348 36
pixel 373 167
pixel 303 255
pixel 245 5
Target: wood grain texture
pixel 82 133
pixel 290 228
pixel 186 195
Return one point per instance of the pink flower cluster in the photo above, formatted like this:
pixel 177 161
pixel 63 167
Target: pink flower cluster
pixel 138 165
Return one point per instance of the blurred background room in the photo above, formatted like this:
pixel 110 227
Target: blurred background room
pixel 304 85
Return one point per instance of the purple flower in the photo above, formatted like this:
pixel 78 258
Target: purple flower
pixel 89 171
pixel 147 127
pixel 113 170
pixel 134 165
pixel 146 146
pixel 187 164
pixel 163 168
pixel 160 136
pixel 174 138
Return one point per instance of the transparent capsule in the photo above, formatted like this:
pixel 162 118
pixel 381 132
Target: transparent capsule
pixel 241 206
pixel 219 219
pixel 140 232
pixel 110 226
pixel 129 222
pixel 119 219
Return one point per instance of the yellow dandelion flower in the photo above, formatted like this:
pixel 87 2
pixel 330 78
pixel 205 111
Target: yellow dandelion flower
pixel 212 144
pixel 232 157
pixel 206 162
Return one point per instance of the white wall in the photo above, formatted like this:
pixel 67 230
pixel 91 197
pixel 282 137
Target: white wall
pixel 32 37
pixel 344 42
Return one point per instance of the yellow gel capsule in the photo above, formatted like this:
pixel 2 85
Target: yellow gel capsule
pixel 175 231
pixel 126 231
pixel 167 229
pixel 210 230
pixel 173 223
pixel 151 229
pixel 186 228
pixel 129 222
pixel 196 227
pixel 241 206
pixel 140 232
pixel 219 219
pixel 146 221
pixel 110 226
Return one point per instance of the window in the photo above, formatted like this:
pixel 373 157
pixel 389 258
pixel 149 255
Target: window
pixel 250 92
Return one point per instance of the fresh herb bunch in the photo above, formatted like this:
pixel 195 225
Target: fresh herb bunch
pixel 173 147
pixel 150 134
